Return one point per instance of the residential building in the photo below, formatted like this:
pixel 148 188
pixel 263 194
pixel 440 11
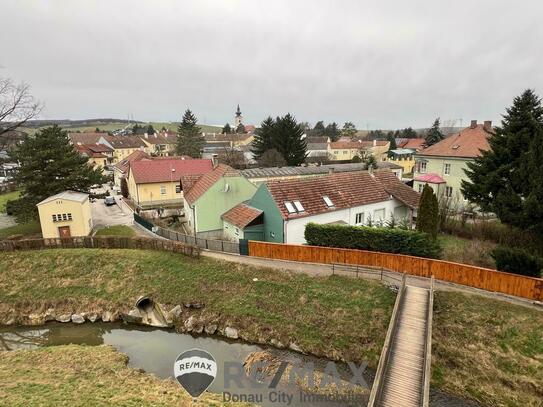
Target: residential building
pixel 99 155
pixel 416 144
pixel 64 215
pixel 160 144
pixel 208 196
pixel 317 148
pixel 260 175
pixel 357 198
pixel 442 165
pixel 120 170
pixel 125 145
pixel 243 222
pixel 403 157
pixel 156 183
pixel 347 150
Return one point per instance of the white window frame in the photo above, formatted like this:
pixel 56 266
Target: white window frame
pixel 421 187
pixel 448 191
pixel 298 205
pixel 290 207
pixel 163 190
pixel 328 201
pixel 422 167
pixel 178 189
pixel 359 218
pixel 379 219
pixel 447 169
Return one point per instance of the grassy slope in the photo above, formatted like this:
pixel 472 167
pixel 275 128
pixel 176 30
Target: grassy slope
pixel 475 252
pixel 4 198
pixel 115 126
pixel 488 350
pixel 334 317
pixel 117 230
pixel 83 376
pixel 30 229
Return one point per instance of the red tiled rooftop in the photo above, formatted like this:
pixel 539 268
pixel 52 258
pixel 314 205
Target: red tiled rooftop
pixel 468 143
pixel 205 182
pixel 241 215
pixel 149 171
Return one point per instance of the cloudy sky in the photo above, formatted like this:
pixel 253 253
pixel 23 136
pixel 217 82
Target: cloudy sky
pixel 381 64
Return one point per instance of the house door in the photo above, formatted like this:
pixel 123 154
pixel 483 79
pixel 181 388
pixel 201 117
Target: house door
pixel 64 231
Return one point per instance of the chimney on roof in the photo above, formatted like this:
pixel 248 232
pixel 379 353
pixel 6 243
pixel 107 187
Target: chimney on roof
pixel 487 125
pixel 473 124
pixel 146 135
pixel 374 142
pixel 370 170
pixel 330 170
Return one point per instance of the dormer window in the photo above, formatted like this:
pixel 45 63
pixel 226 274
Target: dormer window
pixel 327 201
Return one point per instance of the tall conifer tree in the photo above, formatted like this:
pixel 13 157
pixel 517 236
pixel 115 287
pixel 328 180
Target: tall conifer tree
pixel 189 140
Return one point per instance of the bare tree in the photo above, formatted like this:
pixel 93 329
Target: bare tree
pixel 17 106
pixel 232 157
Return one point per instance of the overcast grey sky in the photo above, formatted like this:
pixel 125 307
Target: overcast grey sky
pixel 386 64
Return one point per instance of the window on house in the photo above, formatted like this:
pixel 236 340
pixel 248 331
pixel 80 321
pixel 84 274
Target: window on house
pixel 359 218
pixel 328 201
pixel 237 232
pixel 178 189
pixel 422 167
pixel 379 215
pixel 298 206
pixel 448 192
pixel 69 216
pixel 446 169
pixel 345 152
pixel 162 190
pixel 54 218
pixel 290 207
pixel 336 152
pixel 421 187
pixel 64 216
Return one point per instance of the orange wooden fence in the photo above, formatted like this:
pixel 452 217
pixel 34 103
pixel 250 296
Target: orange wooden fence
pixel 483 278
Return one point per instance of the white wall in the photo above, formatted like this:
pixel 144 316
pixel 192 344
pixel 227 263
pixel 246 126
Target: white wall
pixel 295 228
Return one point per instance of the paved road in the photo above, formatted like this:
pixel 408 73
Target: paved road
pixel 103 215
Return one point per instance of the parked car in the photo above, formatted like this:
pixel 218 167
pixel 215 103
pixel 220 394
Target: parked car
pixel 109 200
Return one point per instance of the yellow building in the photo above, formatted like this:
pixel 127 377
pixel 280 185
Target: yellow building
pixel 99 155
pixel 403 157
pixel 156 183
pixel 347 150
pixel 66 214
pixel 160 144
pixel 126 145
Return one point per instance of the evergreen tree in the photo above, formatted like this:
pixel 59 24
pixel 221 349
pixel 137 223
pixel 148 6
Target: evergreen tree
pixel 263 140
pixel 240 129
pixel 370 161
pixel 392 140
pixel 318 129
pixel 428 214
pixel 508 179
pixel 124 188
pixel 136 129
pixel 287 139
pixel 189 139
pixel 409 133
pixel 332 131
pixel 349 130
pixel 226 129
pixel 434 134
pixel 150 130
pixel 49 164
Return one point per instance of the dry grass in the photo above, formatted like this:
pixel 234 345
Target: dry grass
pixel 474 252
pixel 336 317
pixel 83 376
pixel 487 350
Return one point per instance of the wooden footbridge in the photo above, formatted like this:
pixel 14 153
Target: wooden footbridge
pixel 403 375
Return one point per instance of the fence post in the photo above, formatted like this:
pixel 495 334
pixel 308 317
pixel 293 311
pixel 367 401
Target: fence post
pixel 333 269
pixel 381 273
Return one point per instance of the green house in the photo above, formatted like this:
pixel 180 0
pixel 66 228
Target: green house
pixel 208 196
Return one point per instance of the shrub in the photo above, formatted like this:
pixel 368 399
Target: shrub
pixel 517 261
pixel 428 214
pixel 386 240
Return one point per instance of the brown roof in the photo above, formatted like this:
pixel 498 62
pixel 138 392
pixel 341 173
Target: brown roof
pixel 357 144
pixel 468 143
pixel 137 155
pixel 398 189
pixel 120 142
pixel 205 182
pixel 160 138
pixel 86 138
pixel 150 171
pixel 93 150
pixel 414 143
pixel 241 215
pixel 345 190
pixel 187 181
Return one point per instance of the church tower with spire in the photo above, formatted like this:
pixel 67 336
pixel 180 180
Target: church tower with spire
pixel 238 119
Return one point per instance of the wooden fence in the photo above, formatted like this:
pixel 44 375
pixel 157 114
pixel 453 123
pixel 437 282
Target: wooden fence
pixel 478 277
pixel 100 242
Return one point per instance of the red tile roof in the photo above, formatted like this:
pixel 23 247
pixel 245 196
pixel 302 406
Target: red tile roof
pixel 121 142
pixel 430 178
pixel 93 150
pixel 241 215
pixel 345 190
pixel 205 182
pixel 398 189
pixel 145 172
pixel 137 155
pixel 160 138
pixel 86 138
pixel 414 143
pixel 468 143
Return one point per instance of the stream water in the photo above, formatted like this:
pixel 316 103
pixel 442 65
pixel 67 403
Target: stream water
pixel 155 350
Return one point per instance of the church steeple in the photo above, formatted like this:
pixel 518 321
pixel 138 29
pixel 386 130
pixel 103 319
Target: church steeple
pixel 238 119
pixel 238 112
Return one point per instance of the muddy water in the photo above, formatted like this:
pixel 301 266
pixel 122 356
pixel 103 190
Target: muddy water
pixel 155 350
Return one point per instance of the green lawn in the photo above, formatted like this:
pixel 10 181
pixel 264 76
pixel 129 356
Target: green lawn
pixel 118 230
pixel 4 198
pixel 29 229
pixel 84 376
pixel 333 317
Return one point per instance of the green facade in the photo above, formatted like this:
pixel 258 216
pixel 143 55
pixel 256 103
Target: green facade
pixel 273 221
pixel 436 165
pixel 218 199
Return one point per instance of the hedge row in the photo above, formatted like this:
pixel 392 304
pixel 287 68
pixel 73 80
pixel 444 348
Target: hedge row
pixel 517 261
pixel 388 240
